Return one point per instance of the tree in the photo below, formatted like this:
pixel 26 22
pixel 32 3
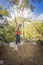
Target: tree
pixel 21 5
pixel 3 12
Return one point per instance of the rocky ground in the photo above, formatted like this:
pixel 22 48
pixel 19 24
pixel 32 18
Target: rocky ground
pixel 27 54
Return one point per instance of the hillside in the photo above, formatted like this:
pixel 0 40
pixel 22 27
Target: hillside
pixel 28 54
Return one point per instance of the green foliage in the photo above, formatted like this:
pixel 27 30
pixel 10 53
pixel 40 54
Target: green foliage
pixel 8 32
pixel 3 12
pixel 33 31
pixel 39 28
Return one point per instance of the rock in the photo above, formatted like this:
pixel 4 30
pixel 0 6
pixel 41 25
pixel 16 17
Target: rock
pixel 13 45
pixel 1 43
pixel 16 48
pixel 30 59
pixel 21 43
pixel 34 43
pixel 1 62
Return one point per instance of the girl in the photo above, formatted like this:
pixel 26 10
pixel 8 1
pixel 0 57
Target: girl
pixel 18 34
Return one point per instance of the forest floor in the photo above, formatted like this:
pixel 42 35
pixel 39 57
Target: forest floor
pixel 28 54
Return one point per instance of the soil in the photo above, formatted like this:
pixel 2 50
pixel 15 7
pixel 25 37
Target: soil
pixel 28 54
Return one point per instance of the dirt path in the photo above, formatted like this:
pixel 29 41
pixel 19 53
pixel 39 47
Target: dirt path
pixel 28 54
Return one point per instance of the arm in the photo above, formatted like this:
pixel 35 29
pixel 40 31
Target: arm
pixel 17 28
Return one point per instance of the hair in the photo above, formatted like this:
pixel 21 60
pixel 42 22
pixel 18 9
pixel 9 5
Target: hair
pixel 20 25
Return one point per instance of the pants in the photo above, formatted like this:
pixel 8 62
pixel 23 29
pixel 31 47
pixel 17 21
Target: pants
pixel 17 38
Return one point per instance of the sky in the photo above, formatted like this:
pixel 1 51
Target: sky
pixel 36 13
pixel 38 9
